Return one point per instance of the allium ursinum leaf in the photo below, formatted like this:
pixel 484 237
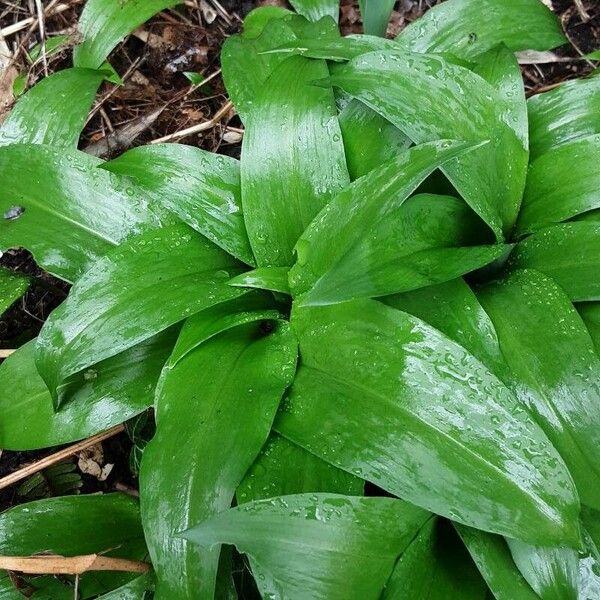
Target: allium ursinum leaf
pixel 54 110
pixel 317 9
pixel 118 389
pixel 495 563
pixel 562 115
pixel 58 205
pixel 554 370
pixel 459 105
pixel 590 313
pixel 467 28
pixel 293 159
pixel 134 590
pixel 274 279
pixel 202 188
pixel 104 23
pixel 435 566
pixel 142 287
pixel 376 15
pixel 214 411
pixel 569 253
pixel 562 183
pixel 317 545
pixel 383 395
pixel 12 287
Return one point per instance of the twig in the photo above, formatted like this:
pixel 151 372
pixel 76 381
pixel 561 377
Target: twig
pixel 42 27
pixel 6 353
pixel 585 17
pixel 48 461
pixel 20 25
pixel 196 128
pixel 70 565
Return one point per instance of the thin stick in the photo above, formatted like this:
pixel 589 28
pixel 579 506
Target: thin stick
pixel 196 128
pixel 6 353
pixel 20 25
pixel 70 565
pixel 48 461
pixel 42 27
pixel 585 17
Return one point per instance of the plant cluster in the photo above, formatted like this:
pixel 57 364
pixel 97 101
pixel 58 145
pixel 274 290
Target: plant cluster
pixel 371 344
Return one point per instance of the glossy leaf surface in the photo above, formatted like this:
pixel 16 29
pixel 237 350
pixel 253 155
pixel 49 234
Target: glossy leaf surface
pixel 120 302
pixel 569 253
pixel 317 9
pixel 590 313
pixel 287 179
pixel 383 395
pixel 553 369
pixel 12 287
pixel 136 589
pixel 561 184
pixel 202 188
pixel 395 85
pixel 45 116
pixel 104 23
pixel 318 545
pixel 109 393
pixel 562 115
pixel 376 15
pixel 63 209
pixel 274 279
pixel 214 410
pixel 468 27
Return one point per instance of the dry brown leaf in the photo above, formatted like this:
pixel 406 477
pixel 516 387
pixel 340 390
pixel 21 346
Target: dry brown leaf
pixel 70 565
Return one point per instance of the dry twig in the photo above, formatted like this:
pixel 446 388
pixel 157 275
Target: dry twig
pixel 51 564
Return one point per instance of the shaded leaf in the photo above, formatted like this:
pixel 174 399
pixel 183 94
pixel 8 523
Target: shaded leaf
pixel 12 287
pixel 317 545
pixel 376 15
pixel 134 590
pixel 590 313
pixel 317 9
pixel 274 279
pixel 383 395
pixel 214 411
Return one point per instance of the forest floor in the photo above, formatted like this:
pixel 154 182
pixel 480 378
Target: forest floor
pixel 156 101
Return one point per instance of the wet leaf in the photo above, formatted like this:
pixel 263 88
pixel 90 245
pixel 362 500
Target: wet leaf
pixel 317 9
pixel 376 15
pixel 274 279
pixel 12 287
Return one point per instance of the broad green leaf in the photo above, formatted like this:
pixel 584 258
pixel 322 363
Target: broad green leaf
pixel 214 411
pixel 258 18
pixel 562 183
pixel 292 159
pixel 134 590
pixel 52 45
pixel 12 287
pixel 284 468
pixel 409 244
pixel 53 111
pixel 274 279
pixel 317 9
pixel 202 188
pixel 121 302
pixel 469 27
pixel 435 566
pixel 369 139
pixel 46 587
pixel 453 308
pixel 96 522
pixel 376 15
pixel 385 396
pixel 590 313
pixel 104 23
pixel 569 253
pixel 552 572
pixel 317 545
pixel 495 563
pixel 214 320
pixel 554 370
pixel 416 92
pixel 67 212
pixel 109 393
pixel 562 115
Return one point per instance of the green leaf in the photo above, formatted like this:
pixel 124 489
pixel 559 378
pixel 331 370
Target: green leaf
pixel 317 545
pixel 274 279
pixel 52 45
pixel 104 23
pixel 287 179
pixel 409 244
pixel 107 394
pixel 317 9
pixel 68 213
pixel 554 370
pixel 552 572
pixel 494 561
pixel 96 523
pixel 214 411
pixel 12 287
pixel 121 302
pixel 134 590
pixel 469 27
pixel 202 188
pixel 284 468
pixel 590 313
pixel 384 396
pixel 376 15
pixel 453 308
pixel 562 115
pixel 416 92
pixel 53 111
pixel 569 253
pixel 562 183
pixel 435 566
